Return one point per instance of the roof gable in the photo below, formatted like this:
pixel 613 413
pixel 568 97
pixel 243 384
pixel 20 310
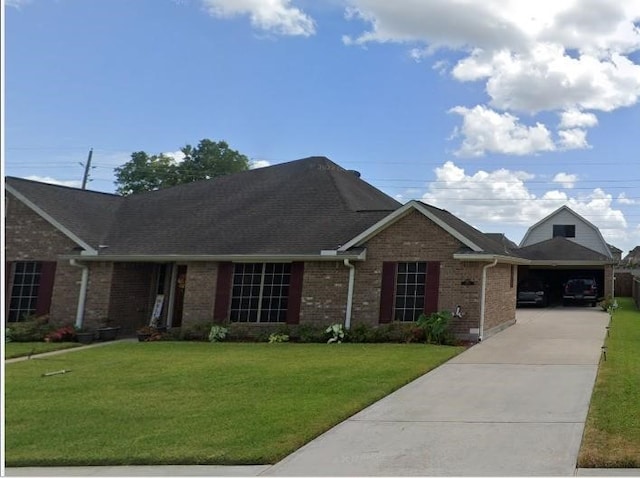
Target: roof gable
pixel 472 239
pixel 540 231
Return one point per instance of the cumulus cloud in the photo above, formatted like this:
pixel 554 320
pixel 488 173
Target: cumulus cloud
pixel 275 16
pixel 502 199
pixel 260 163
pixel 574 118
pixel 623 199
pixel 568 56
pixel 177 156
pixel 485 130
pixel 566 180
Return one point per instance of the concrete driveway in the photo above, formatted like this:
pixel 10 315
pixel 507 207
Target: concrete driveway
pixel 513 405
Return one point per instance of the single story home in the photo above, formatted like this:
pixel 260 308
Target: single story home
pixel 303 242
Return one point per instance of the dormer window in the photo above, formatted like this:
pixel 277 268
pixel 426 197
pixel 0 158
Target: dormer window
pixel 564 230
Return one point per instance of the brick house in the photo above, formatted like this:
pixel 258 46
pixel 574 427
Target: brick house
pixel 304 242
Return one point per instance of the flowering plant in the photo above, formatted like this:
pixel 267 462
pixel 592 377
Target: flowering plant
pixel 63 334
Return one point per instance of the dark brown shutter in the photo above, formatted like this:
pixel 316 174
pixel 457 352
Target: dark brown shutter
pixel 387 291
pixel 223 292
pixel 45 288
pixel 432 287
pixel 295 293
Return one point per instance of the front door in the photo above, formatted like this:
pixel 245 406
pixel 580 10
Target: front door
pixel 178 296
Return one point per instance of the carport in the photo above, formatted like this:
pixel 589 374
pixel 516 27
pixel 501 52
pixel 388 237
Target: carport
pixel 557 260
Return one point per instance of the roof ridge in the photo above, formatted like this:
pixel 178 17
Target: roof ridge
pixel 59 186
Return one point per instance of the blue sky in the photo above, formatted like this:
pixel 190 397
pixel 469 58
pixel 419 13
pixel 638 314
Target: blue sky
pixel 498 111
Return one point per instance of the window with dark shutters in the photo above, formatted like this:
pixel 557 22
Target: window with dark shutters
pixel 408 289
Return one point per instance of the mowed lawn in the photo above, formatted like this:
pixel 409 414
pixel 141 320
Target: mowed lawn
pixel 612 433
pixel 196 403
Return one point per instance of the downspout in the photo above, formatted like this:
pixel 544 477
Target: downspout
pixel 352 277
pixel 484 297
pixel 82 297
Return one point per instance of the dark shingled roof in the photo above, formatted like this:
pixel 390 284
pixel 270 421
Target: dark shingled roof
pixel 560 249
pixel 486 242
pixel 299 207
pixel 87 214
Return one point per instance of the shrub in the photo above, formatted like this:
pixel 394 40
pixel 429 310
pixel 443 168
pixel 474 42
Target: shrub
pixel 335 333
pixel 32 329
pixel 359 334
pixel 62 334
pixel 217 333
pixel 277 338
pixel 308 333
pixel 198 331
pixel 436 327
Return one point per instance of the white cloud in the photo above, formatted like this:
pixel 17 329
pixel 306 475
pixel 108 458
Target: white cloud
pixel 623 199
pixel 177 156
pixel 276 16
pixel 573 139
pixel 501 200
pixel 485 130
pixel 59 182
pixel 566 180
pixel 260 163
pixel 574 118
pixel 566 56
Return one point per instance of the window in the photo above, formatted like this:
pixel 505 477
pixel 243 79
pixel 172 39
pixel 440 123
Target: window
pixel 260 292
pixel 24 291
pixel 410 289
pixel 564 230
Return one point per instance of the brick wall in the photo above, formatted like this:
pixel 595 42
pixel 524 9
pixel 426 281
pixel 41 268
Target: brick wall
pixel 199 298
pixel 98 294
pixel 324 293
pixel 28 237
pixel 500 304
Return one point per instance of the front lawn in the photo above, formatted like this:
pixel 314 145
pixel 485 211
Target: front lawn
pixel 612 433
pixel 196 403
pixel 22 349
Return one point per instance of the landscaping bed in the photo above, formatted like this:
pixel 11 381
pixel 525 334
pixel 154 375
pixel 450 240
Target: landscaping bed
pixel 612 432
pixel 194 402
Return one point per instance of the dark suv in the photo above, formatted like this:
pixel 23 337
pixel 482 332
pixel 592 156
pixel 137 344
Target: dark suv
pixel 580 289
pixel 532 291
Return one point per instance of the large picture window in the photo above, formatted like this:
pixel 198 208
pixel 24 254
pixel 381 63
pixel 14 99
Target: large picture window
pixel 260 292
pixel 410 288
pixel 24 291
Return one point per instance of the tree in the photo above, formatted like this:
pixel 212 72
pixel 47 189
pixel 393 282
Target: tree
pixel 208 160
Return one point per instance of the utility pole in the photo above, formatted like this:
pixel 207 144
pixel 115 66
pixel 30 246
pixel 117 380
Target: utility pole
pixel 87 168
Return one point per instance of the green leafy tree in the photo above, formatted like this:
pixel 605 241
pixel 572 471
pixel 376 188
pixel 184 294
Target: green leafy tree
pixel 208 160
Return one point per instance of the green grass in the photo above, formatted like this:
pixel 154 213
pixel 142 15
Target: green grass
pixel 196 403
pixel 612 432
pixel 21 349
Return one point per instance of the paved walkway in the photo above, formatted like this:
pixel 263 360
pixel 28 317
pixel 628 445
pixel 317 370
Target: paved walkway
pixel 514 405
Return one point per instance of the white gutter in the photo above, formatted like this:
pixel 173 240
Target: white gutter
pixel 484 297
pixel 352 276
pixel 82 297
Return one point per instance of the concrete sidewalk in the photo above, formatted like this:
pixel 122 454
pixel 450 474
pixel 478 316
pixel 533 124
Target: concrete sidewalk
pixel 514 405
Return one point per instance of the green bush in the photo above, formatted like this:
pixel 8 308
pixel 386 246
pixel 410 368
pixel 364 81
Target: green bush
pixel 436 327
pixel 308 333
pixel 198 331
pixel 277 338
pixel 217 333
pixel 32 329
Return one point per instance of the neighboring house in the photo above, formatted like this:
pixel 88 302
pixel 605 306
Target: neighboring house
pixel 304 242
pixel 616 253
pixel 633 258
pixel 565 245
